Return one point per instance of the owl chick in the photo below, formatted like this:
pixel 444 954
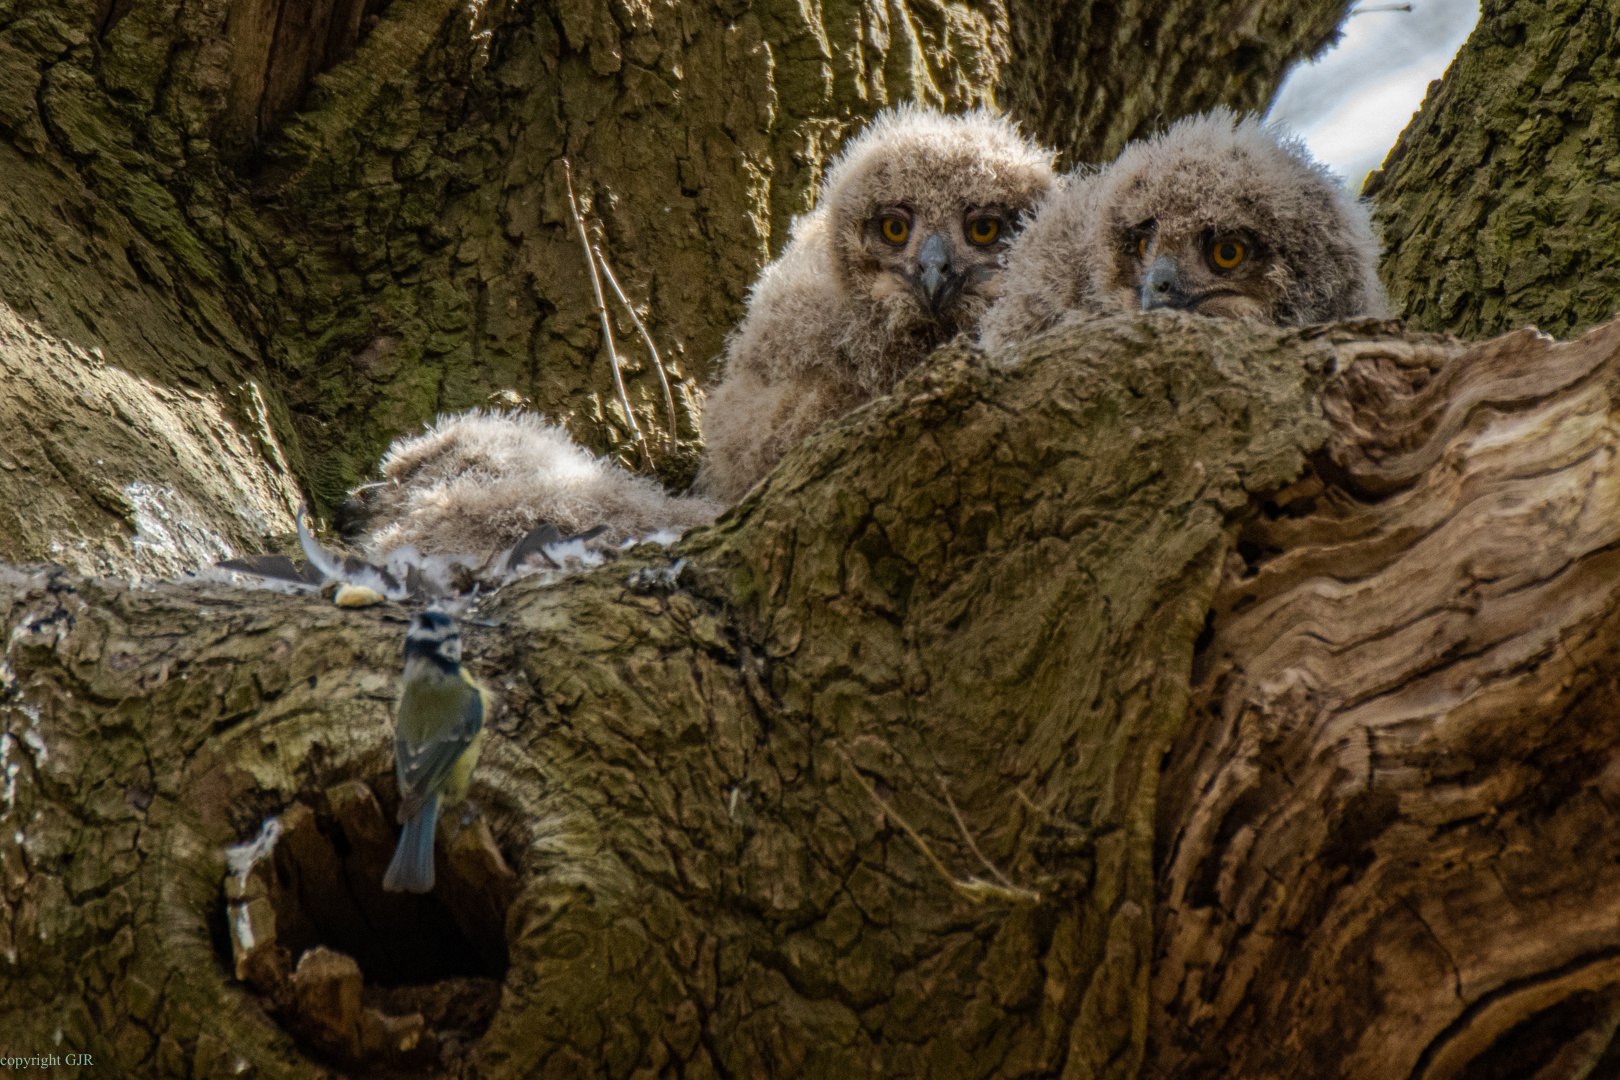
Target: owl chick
pixel 475 483
pixel 901 254
pixel 1220 215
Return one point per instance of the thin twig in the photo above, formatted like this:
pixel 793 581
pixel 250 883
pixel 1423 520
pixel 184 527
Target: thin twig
pixel 995 871
pixel 1380 7
pixel 922 844
pixel 1027 801
pixel 658 362
pixel 975 889
pixel 1045 813
pixel 607 328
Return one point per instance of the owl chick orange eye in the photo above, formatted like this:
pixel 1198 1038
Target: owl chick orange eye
pixel 894 229
pixel 1141 247
pixel 983 230
pixel 1227 253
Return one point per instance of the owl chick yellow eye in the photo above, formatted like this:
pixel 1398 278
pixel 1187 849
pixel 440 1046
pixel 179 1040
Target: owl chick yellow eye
pixel 894 229
pixel 1228 253
pixel 983 230
pixel 1141 247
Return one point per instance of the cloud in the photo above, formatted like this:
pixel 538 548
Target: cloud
pixel 1351 104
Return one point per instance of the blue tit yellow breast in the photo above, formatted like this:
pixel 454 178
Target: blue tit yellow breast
pixel 456 784
pixel 460 775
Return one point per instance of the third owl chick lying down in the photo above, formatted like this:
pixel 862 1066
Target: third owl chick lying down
pixel 930 226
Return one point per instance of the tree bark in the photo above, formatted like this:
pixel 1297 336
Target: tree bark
pixel 700 787
pixel 1385 840
pixel 871 783
pixel 1088 77
pixel 1498 204
pixel 333 219
pixel 1188 700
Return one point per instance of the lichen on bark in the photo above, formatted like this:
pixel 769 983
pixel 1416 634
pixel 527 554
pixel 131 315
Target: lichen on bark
pixel 1497 204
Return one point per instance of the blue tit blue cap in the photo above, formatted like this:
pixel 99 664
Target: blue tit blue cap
pixel 434 634
pixel 434 624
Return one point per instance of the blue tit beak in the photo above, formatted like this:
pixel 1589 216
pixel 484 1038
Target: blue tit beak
pixel 937 280
pixel 1162 287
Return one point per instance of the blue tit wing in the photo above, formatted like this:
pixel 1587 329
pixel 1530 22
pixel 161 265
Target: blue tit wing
pixel 439 717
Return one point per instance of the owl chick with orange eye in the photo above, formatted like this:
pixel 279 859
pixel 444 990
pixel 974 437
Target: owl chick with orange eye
pixel 1219 215
pixel 901 254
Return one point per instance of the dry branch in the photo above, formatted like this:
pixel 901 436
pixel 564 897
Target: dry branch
pixel 975 889
pixel 652 349
pixel 607 323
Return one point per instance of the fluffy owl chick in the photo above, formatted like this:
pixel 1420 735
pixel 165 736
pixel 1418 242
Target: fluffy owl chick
pixel 1220 215
pixel 901 254
pixel 1049 268
pixel 475 483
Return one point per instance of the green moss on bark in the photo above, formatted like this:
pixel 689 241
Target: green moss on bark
pixel 982 593
pixel 365 213
pixel 1498 204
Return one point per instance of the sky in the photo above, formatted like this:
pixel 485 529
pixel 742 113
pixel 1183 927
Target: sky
pixel 1352 103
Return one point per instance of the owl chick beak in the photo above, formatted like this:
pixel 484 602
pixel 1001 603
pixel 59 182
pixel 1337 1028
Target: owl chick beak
pixel 937 280
pixel 1162 287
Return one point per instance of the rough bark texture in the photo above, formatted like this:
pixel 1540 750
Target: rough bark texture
pixel 358 209
pixel 132 436
pixel 1379 846
pixel 1088 76
pixel 991 581
pixel 109 472
pixel 1498 204
pixel 1387 833
pixel 1189 700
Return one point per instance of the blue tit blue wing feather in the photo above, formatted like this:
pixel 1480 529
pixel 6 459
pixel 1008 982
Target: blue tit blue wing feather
pixel 440 716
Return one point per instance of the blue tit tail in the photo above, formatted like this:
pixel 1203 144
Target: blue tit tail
pixel 412 868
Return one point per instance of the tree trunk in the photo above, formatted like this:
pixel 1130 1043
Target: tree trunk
pixel 1385 835
pixel 1189 700
pixel 871 783
pixel 1498 204
pixel 333 219
pixel 1087 77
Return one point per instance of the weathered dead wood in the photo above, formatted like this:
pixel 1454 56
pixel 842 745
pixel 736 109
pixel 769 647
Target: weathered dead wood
pixel 1387 837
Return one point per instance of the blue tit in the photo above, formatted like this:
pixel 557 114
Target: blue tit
pixel 436 743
